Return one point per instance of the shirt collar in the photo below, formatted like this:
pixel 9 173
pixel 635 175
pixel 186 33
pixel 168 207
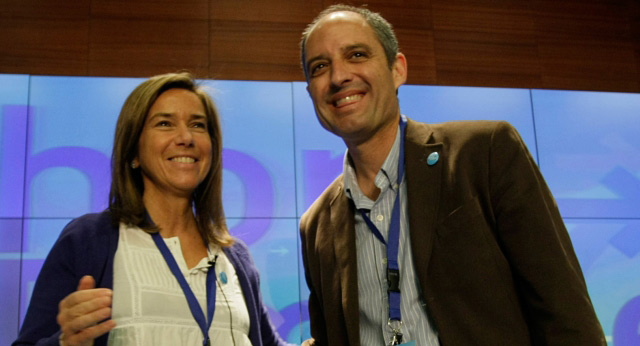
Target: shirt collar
pixel 387 176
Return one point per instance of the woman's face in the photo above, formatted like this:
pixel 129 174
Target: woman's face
pixel 174 149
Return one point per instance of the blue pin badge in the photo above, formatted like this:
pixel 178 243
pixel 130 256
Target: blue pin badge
pixel 432 159
pixel 223 277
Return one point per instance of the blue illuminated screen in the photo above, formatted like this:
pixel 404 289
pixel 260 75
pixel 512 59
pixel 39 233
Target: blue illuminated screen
pixel 56 135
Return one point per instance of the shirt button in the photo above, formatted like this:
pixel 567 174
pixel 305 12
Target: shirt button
pixel 379 217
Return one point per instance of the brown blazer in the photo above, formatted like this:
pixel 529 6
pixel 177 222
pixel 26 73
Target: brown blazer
pixel 493 257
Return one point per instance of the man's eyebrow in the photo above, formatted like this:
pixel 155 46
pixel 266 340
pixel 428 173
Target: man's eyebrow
pixel 355 46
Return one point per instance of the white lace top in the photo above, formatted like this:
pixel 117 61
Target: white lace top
pixel 149 306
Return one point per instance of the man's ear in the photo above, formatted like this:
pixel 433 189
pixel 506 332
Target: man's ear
pixel 399 70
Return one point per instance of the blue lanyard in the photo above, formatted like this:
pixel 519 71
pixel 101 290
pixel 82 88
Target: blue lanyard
pixel 196 311
pixel 393 270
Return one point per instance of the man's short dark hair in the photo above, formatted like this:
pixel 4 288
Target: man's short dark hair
pixel 381 27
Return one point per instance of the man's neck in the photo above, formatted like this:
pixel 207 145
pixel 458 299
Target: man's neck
pixel 369 156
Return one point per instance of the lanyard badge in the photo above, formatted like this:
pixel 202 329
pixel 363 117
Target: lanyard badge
pixel 393 269
pixel 396 338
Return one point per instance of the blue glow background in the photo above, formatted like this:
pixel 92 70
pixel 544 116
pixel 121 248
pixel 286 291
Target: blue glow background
pixel 56 135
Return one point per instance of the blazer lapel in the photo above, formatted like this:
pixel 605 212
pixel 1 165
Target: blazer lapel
pixel 423 193
pixel 342 221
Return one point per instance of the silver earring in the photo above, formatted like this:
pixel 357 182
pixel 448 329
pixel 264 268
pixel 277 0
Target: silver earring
pixel 134 164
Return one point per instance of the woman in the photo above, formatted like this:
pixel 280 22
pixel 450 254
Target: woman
pixel 121 276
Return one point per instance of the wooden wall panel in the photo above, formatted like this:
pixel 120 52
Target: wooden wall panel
pixel 255 51
pixel 40 37
pixel 143 38
pixel 552 44
pixel 476 41
pixel 417 45
pixel 634 11
pixel 586 44
pixel 258 40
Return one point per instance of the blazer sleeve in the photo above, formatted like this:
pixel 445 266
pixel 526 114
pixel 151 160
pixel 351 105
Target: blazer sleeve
pixel 535 241
pixel 262 331
pixel 316 316
pixel 85 247
pixel 57 279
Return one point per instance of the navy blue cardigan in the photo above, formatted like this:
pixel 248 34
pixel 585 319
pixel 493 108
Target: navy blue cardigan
pixel 87 246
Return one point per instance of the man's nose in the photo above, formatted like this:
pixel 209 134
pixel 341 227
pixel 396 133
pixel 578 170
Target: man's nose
pixel 340 73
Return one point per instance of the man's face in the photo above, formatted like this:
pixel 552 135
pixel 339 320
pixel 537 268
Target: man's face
pixel 350 82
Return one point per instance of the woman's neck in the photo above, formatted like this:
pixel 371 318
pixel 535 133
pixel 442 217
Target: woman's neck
pixel 175 218
pixel 173 215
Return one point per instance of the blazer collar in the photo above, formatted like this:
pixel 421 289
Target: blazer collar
pixel 344 242
pixel 424 182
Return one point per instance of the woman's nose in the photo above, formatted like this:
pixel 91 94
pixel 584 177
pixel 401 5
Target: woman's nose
pixel 184 136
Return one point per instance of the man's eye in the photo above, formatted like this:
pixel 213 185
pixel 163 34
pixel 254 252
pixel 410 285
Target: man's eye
pixel 317 68
pixel 358 55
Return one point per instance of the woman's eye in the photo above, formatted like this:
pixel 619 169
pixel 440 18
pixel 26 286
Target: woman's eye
pixel 200 125
pixel 163 123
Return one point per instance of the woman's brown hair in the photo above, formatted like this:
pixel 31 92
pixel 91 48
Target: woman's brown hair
pixel 125 197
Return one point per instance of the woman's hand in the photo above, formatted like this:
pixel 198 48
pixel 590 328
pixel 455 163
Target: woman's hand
pixel 81 312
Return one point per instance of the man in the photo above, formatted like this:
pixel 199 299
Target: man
pixel 434 234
